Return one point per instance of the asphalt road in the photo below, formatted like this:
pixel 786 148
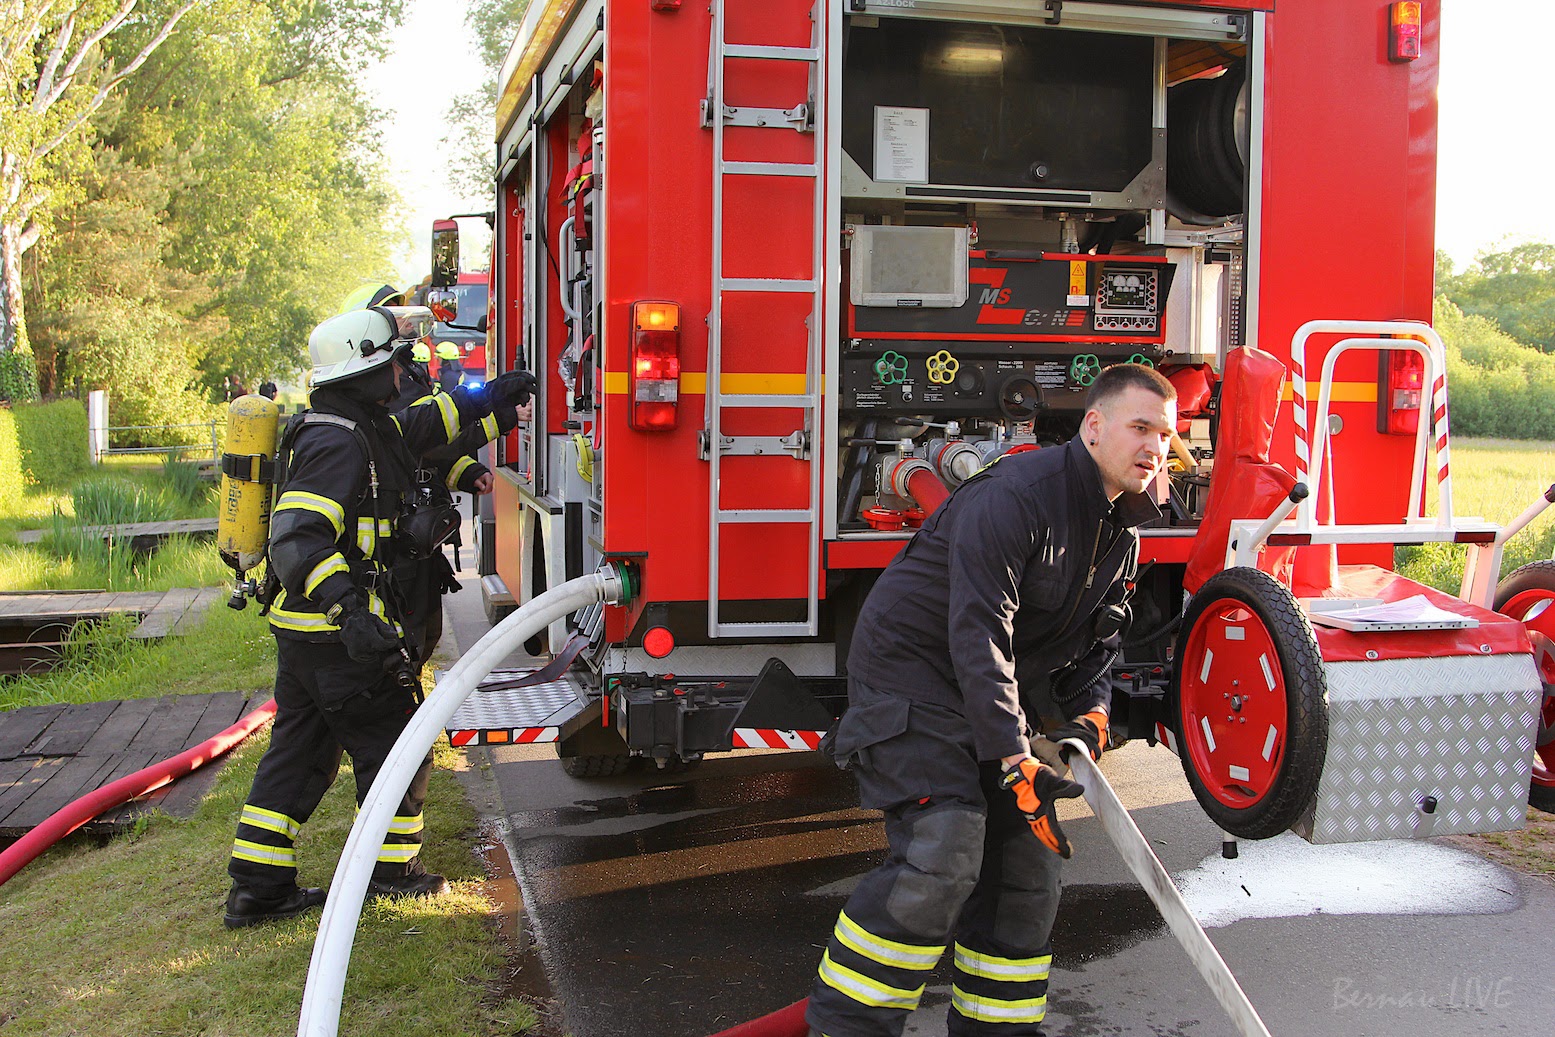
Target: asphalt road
pixel 679 904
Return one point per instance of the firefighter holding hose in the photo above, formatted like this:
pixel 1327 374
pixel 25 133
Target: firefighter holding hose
pixel 344 674
pixel 1002 615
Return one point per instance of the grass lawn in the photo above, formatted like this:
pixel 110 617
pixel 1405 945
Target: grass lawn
pixel 70 560
pixel 1494 479
pixel 127 938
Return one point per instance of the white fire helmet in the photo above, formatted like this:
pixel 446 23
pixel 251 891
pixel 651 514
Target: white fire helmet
pixel 359 340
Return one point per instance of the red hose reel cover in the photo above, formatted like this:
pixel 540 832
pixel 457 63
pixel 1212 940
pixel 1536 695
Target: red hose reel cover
pixel 1244 484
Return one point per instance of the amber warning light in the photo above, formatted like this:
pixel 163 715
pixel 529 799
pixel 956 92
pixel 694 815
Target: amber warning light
pixel 1404 31
pixel 654 375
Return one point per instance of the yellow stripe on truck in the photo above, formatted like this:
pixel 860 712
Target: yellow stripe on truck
pixel 695 383
pixel 1343 392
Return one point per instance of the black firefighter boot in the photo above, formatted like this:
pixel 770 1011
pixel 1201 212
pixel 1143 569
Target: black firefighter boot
pixel 410 881
pixel 246 907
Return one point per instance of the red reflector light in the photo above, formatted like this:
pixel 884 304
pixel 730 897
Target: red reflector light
pixel 1400 391
pixel 654 375
pixel 658 642
pixel 1404 31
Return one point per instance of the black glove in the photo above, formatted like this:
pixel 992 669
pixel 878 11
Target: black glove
pixel 1037 787
pixel 367 639
pixel 514 388
pixel 1091 729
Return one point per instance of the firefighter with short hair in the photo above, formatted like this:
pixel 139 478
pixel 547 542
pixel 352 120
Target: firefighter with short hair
pixel 344 678
pixel 1003 613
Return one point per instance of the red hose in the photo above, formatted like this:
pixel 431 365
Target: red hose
pixel 73 815
pixel 785 1022
pixel 927 490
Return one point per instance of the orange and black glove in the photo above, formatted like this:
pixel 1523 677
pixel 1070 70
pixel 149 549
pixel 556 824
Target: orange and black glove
pixel 1037 787
pixel 1091 729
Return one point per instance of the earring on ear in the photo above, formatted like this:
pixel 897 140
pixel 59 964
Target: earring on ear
pixel 1093 442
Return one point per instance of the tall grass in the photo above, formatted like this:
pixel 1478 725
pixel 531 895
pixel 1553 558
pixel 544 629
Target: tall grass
pixel 184 481
pixel 229 651
pixel 117 502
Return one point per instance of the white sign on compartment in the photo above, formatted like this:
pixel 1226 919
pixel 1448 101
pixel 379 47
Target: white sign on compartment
pixel 902 145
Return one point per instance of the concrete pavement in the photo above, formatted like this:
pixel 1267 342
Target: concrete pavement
pixel 682 903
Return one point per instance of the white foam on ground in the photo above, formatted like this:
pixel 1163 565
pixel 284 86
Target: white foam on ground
pixel 1287 877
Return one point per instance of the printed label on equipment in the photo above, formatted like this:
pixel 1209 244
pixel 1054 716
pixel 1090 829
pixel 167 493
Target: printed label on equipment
pixel 902 145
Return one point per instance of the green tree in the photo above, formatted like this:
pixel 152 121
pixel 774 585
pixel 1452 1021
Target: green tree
pixel 233 194
pixel 57 69
pixel 1515 287
pixel 494 24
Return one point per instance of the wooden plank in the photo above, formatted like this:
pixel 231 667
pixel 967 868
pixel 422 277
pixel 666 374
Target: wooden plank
pixel 167 729
pixel 120 728
pixel 70 730
pixel 159 621
pixel 195 614
pixel 223 710
pixel 134 601
pixel 73 778
pixel 18 788
pixel 18 727
pixel 125 764
pixel 134 530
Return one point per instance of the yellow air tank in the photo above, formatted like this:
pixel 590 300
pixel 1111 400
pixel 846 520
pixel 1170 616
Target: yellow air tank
pixel 247 474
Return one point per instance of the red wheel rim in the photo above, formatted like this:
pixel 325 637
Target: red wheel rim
pixel 1535 609
pixel 1234 708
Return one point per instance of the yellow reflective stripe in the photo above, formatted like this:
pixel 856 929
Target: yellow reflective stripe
pixel 335 563
pixel 308 622
pixel 450 412
pixel 993 1010
pixel 407 825
pixel 314 622
pixel 1009 970
pixel 269 820
pixel 886 952
pixel 864 990
pixel 489 427
pixel 301 500
pixel 259 853
pixel 398 853
pixel 459 468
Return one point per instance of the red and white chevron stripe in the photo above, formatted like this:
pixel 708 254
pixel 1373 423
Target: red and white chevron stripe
pixel 770 738
pixel 503 736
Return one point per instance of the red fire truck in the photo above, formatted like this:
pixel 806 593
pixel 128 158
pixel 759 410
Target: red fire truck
pixel 791 270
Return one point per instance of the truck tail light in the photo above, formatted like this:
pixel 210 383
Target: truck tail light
pixel 1400 386
pixel 654 378
pixel 1404 31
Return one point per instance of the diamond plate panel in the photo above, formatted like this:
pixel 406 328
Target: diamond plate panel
pixel 543 705
pixel 1459 729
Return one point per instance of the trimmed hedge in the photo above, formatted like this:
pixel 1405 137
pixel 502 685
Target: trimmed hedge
pixel 41 444
pixel 10 462
pixel 53 438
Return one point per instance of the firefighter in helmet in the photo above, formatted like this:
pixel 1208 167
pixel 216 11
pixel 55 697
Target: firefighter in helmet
pixel 1003 614
pixel 440 473
pixel 344 672
pixel 449 368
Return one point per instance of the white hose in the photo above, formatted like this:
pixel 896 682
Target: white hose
pixel 1146 866
pixel 337 929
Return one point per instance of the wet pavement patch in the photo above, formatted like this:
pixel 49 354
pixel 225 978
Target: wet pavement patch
pixel 1097 922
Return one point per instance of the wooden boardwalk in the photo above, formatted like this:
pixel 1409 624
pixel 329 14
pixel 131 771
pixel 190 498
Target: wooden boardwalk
pixel 52 755
pixel 34 624
pixel 141 536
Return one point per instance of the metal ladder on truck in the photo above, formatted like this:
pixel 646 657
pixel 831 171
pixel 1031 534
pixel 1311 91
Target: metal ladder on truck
pixel 720 450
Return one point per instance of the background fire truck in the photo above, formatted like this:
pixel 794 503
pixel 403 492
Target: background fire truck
pixel 789 271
